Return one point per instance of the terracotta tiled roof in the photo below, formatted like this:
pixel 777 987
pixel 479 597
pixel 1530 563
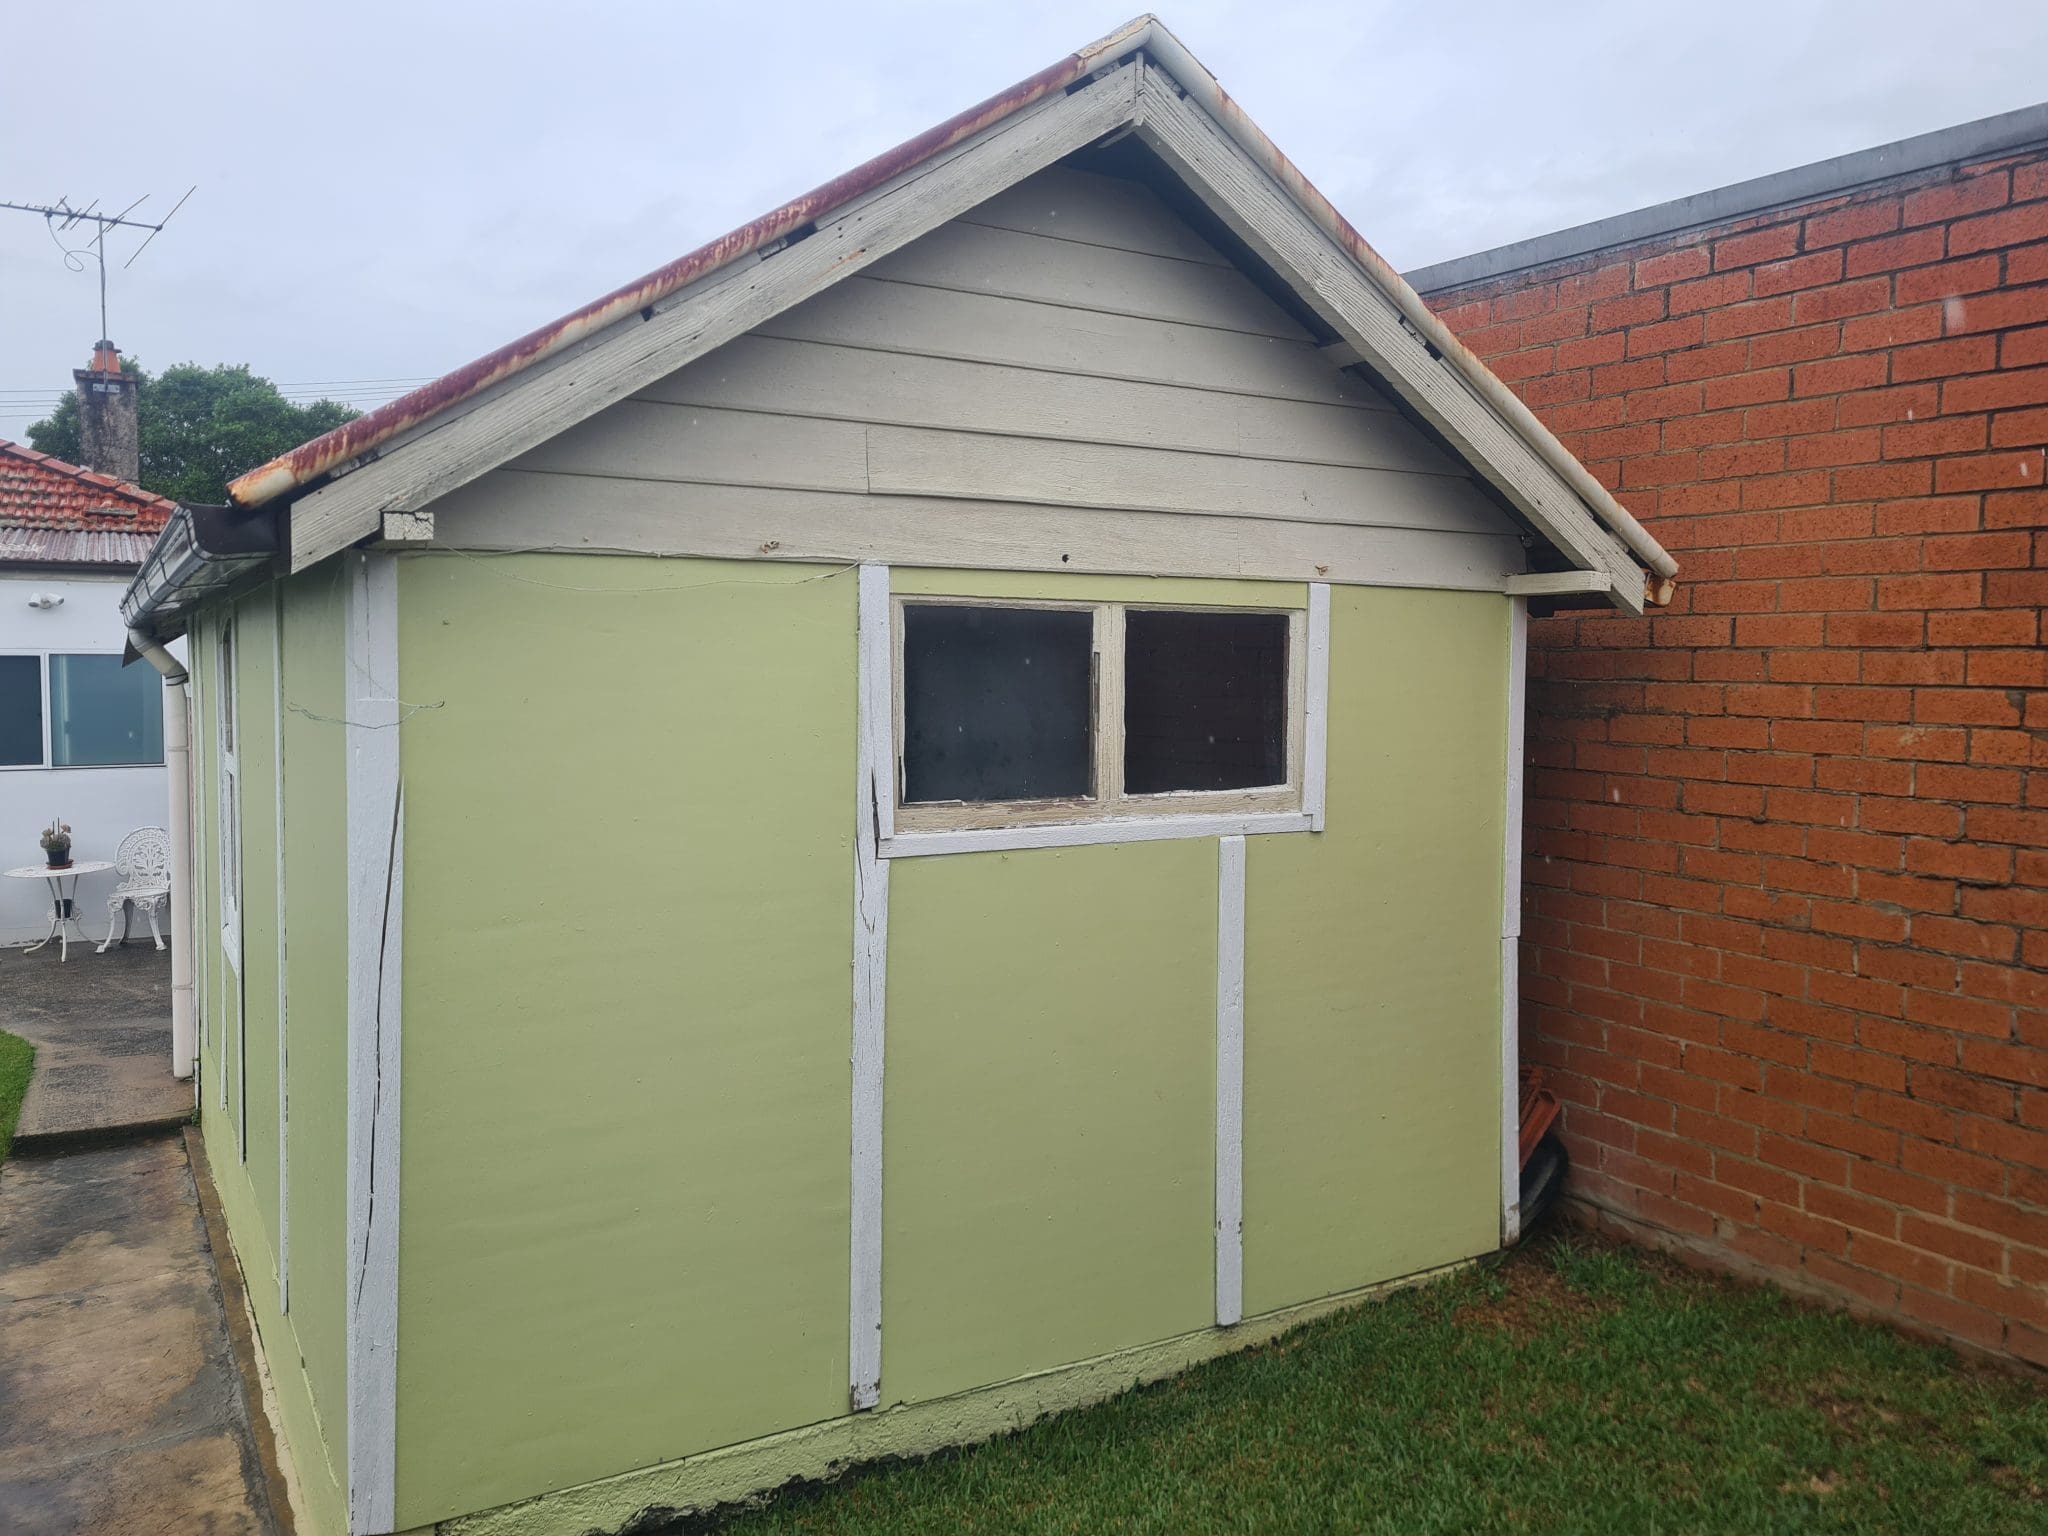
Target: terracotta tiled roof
pixel 37 491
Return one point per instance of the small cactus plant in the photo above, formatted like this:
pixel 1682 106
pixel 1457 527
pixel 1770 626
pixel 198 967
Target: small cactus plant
pixel 57 842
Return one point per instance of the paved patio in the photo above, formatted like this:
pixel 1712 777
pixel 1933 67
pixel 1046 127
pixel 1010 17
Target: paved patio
pixel 101 1026
pixel 121 1406
pixel 124 1396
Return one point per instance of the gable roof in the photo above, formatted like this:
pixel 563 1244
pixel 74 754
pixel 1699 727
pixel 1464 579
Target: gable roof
pixel 54 513
pixel 1139 79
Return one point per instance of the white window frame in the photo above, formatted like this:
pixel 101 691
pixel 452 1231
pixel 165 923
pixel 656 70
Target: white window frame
pixel 49 763
pixel 1110 815
pixel 227 725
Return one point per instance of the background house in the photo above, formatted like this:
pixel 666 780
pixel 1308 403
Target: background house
pixel 81 737
pixel 1787 939
pixel 1031 633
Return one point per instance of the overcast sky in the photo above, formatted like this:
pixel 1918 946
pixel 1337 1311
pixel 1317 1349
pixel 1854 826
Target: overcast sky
pixel 386 191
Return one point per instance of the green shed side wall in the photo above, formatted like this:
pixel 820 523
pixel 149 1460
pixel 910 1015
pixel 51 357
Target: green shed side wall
pixel 628 938
pixel 256 1097
pixel 241 1038
pixel 628 923
pixel 316 1032
pixel 1372 964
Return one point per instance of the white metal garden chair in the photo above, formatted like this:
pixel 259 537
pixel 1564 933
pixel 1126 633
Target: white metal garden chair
pixel 142 867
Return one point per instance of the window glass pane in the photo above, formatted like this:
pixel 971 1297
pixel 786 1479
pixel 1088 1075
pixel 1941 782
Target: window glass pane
pixel 997 702
pixel 102 713
pixel 1205 700
pixel 227 687
pixel 21 711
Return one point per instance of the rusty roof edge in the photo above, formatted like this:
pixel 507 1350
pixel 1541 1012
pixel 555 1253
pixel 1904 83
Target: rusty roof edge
pixel 309 461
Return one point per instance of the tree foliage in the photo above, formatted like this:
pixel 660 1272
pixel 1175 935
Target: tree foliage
pixel 201 427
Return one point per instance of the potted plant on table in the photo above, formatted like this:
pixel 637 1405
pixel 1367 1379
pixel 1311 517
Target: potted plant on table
pixel 57 844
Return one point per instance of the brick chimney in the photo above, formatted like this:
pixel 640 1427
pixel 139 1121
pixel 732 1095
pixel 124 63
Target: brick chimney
pixel 109 433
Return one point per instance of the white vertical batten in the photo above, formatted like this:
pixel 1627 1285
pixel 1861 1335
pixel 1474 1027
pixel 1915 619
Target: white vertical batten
pixel 874 793
pixel 1229 1081
pixel 1315 768
pixel 376 887
pixel 205 938
pixel 1511 927
pixel 284 1116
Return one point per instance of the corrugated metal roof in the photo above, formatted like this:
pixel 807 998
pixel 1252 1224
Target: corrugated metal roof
pixel 73 546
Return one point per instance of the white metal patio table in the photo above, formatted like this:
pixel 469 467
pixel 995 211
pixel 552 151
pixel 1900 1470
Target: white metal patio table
pixel 63 903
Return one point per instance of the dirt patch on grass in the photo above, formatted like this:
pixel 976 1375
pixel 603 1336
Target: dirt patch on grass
pixel 1535 1299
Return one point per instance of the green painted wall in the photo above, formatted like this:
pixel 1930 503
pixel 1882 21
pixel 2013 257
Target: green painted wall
pixel 628 928
pixel 1049 1118
pixel 304 1349
pixel 1372 989
pixel 627 994
pixel 316 923
pixel 257 1080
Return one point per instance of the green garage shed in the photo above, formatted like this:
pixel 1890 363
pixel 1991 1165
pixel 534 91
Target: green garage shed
pixel 898 826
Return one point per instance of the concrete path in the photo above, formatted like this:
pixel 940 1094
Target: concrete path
pixel 121 1404
pixel 101 1026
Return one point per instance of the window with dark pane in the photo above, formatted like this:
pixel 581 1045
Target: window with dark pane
pixel 997 702
pixel 1205 700
pixel 21 711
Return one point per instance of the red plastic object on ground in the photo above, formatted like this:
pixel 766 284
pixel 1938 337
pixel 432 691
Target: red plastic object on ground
pixel 1539 1110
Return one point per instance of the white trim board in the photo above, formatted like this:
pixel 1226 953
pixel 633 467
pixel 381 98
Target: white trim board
pixel 1083 834
pixel 1229 1081
pixel 1511 928
pixel 376 889
pixel 523 510
pixel 284 1117
pixel 1315 750
pixel 874 806
pixel 205 937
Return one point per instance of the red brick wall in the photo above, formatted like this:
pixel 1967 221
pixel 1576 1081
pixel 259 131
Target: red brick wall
pixel 1786 943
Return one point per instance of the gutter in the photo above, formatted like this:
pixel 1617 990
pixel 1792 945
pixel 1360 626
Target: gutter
pixel 178 769
pixel 201 551
pixel 363 436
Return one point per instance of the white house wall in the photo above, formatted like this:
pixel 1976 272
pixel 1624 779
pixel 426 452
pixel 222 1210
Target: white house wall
pixel 103 805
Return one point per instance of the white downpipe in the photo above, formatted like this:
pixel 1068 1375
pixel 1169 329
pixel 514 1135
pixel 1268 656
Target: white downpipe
pixel 178 766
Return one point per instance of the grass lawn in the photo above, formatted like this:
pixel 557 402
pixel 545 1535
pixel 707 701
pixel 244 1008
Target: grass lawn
pixel 17 1056
pixel 1573 1388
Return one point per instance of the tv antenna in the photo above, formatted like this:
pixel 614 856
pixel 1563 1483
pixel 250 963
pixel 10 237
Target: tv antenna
pixel 60 218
